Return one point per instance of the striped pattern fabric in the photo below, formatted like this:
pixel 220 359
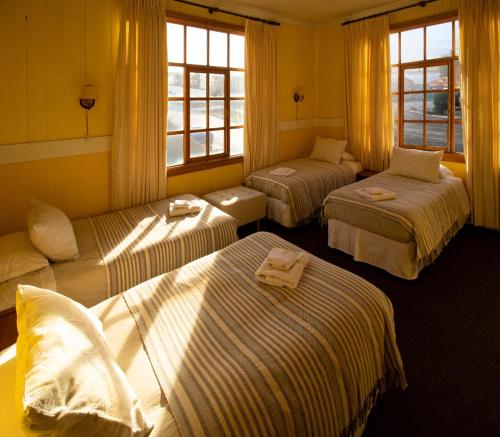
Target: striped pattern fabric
pixel 139 243
pixel 237 357
pixel 428 213
pixel 305 190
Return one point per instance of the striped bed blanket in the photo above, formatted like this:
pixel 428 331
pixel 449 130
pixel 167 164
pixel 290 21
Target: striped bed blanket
pixel 139 243
pixel 237 357
pixel 305 190
pixel 427 213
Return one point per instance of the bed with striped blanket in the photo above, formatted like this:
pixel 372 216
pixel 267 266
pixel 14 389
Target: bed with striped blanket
pixel 417 225
pixel 124 248
pixel 233 356
pixel 296 199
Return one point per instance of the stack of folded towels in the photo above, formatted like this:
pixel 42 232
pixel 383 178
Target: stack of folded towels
pixel 375 194
pixel 282 171
pixel 282 267
pixel 183 207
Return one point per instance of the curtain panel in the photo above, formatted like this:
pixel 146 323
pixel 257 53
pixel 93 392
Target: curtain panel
pixel 138 151
pixel 368 92
pixel 480 74
pixel 261 96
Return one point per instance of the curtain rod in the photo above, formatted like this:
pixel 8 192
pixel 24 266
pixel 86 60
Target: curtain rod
pixel 213 9
pixel 422 4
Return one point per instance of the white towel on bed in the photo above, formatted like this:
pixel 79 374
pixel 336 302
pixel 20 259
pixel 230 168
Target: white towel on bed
pixel 282 278
pixel 282 171
pixel 282 259
pixel 182 207
pixel 376 194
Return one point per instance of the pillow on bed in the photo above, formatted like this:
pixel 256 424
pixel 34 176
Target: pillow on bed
pixel 346 156
pixel 417 164
pixel 67 382
pixel 328 149
pixel 445 172
pixel 51 232
pixel 18 256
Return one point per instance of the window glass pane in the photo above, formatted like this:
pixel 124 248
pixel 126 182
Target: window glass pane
pixel 437 135
pixel 395 79
pixel 394 44
pixel 457 74
pixel 436 106
pixel 175 81
pixel 459 141
pixel 197 146
pixel 196 46
pixel 457 39
pixel 175 116
pixel 413 107
pixel 414 79
pixel 438 41
pixel 396 135
pixel 216 115
pixel 437 77
pixel 198 115
pixel 236 141
pixel 175 149
pixel 197 84
pixel 216 142
pixel 413 133
pixel 175 42
pixel 218 49
pixel 237 84
pixel 236 51
pixel 237 112
pixel 216 85
pixel 412 45
pixel 458 105
pixel 395 106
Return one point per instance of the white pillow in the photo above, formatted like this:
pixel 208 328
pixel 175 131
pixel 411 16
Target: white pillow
pixel 67 382
pixel 328 149
pixel 417 164
pixel 445 172
pixel 51 232
pixel 346 156
pixel 18 256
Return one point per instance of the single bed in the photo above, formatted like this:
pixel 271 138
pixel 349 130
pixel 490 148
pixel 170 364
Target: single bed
pixel 124 248
pixel 402 235
pixel 211 351
pixel 296 199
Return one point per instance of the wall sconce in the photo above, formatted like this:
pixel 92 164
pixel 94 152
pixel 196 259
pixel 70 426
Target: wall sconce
pixel 88 97
pixel 298 97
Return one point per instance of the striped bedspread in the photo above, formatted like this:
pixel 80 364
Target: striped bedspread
pixel 139 243
pixel 305 190
pixel 428 213
pixel 235 357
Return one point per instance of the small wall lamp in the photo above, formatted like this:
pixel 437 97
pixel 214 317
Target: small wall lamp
pixel 88 97
pixel 298 97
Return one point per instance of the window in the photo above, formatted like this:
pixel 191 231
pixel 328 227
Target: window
pixel 426 87
pixel 206 95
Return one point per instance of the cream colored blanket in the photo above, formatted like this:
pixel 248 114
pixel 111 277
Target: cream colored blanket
pixel 237 357
pixel 305 189
pixel 428 213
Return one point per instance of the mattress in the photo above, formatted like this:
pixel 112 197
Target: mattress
pixel 311 361
pixel 305 190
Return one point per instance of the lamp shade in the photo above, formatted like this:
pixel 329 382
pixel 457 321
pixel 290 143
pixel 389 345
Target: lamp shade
pixel 89 92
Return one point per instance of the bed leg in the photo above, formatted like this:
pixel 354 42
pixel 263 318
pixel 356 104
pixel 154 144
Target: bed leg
pixel 258 225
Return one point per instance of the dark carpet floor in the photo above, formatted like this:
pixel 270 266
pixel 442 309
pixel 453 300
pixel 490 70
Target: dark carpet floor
pixel 448 332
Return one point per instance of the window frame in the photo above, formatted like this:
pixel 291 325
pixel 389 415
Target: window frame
pixel 207 161
pixel 449 153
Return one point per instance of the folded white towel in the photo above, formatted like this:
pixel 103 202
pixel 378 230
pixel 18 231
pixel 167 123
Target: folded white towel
pixel 282 171
pixel 183 207
pixel 375 190
pixel 282 278
pixel 282 259
pixel 385 195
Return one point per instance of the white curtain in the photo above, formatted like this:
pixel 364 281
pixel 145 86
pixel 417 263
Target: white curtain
pixel 480 71
pixel 261 96
pixel 138 153
pixel 368 92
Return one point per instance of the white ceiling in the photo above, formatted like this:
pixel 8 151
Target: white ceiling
pixel 307 11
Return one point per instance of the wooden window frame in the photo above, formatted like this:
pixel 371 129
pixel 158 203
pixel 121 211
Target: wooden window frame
pixel 207 161
pixel 450 153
